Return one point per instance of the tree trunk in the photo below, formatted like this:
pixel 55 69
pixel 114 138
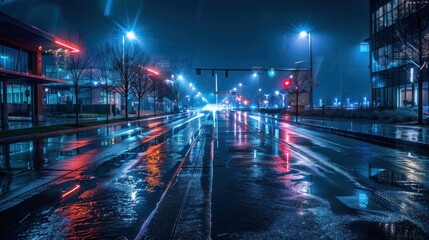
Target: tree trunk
pixel 76 111
pixel 296 108
pixel 107 107
pixel 126 106
pixel 76 114
pixel 138 109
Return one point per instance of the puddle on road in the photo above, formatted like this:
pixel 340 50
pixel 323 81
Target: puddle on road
pixel 380 230
pixel 361 201
pixel 240 147
pixel 396 179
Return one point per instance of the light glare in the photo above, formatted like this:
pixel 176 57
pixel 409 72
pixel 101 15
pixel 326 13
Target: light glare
pixel 130 35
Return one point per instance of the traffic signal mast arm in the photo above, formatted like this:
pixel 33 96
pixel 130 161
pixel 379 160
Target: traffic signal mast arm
pixel 227 70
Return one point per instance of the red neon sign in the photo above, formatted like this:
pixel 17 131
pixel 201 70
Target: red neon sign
pixel 73 49
pixel 152 71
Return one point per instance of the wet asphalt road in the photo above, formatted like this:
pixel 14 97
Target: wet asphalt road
pixel 275 180
pixel 244 177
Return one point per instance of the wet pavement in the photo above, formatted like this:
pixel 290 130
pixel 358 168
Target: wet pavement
pixel 267 179
pixel 27 165
pixel 405 132
pixel 112 199
pixel 228 176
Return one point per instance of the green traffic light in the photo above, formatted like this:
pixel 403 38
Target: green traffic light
pixel 271 72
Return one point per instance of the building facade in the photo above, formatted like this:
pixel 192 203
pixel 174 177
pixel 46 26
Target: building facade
pixel 22 48
pixel 399 53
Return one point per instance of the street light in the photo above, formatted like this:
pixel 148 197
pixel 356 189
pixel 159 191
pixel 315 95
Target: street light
pixel 267 100
pixel 304 34
pixel 130 36
pixel 256 75
pixel 283 97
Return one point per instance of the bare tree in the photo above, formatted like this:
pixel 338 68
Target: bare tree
pixel 158 91
pixel 141 87
pixel 300 83
pixel 126 61
pixel 412 30
pixel 178 92
pixel 103 74
pixel 79 67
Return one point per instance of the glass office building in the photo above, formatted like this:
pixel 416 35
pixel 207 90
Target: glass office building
pixel 399 52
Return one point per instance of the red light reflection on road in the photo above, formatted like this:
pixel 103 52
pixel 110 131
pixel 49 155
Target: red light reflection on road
pixel 154 124
pixel 71 191
pixel 282 164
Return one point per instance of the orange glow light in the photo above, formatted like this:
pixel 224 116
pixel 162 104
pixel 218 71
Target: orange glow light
pixel 68 46
pixel 71 191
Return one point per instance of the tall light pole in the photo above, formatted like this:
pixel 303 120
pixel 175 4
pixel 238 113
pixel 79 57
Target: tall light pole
pixel 217 94
pixel 256 75
pixel 131 36
pixel 267 99
pixel 310 49
pixel 283 97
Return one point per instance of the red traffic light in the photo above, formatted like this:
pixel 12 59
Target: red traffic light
pixel 286 83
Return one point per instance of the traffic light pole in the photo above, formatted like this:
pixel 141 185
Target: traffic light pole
pixel 226 70
pixel 310 46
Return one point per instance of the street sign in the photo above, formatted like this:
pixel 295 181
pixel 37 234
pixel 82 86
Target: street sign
pixel 225 92
pixel 258 69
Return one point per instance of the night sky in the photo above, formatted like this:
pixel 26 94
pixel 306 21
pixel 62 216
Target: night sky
pixel 227 33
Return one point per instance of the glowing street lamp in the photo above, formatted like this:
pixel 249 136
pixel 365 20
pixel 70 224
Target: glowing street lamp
pixel 130 35
pixel 305 34
pixel 267 101
pixel 283 97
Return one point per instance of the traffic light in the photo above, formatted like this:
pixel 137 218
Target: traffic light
pixel 198 71
pixel 271 72
pixel 226 73
pixel 287 83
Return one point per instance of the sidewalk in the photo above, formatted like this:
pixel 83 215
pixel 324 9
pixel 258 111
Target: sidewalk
pixel 25 122
pixel 409 133
pixel 384 133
